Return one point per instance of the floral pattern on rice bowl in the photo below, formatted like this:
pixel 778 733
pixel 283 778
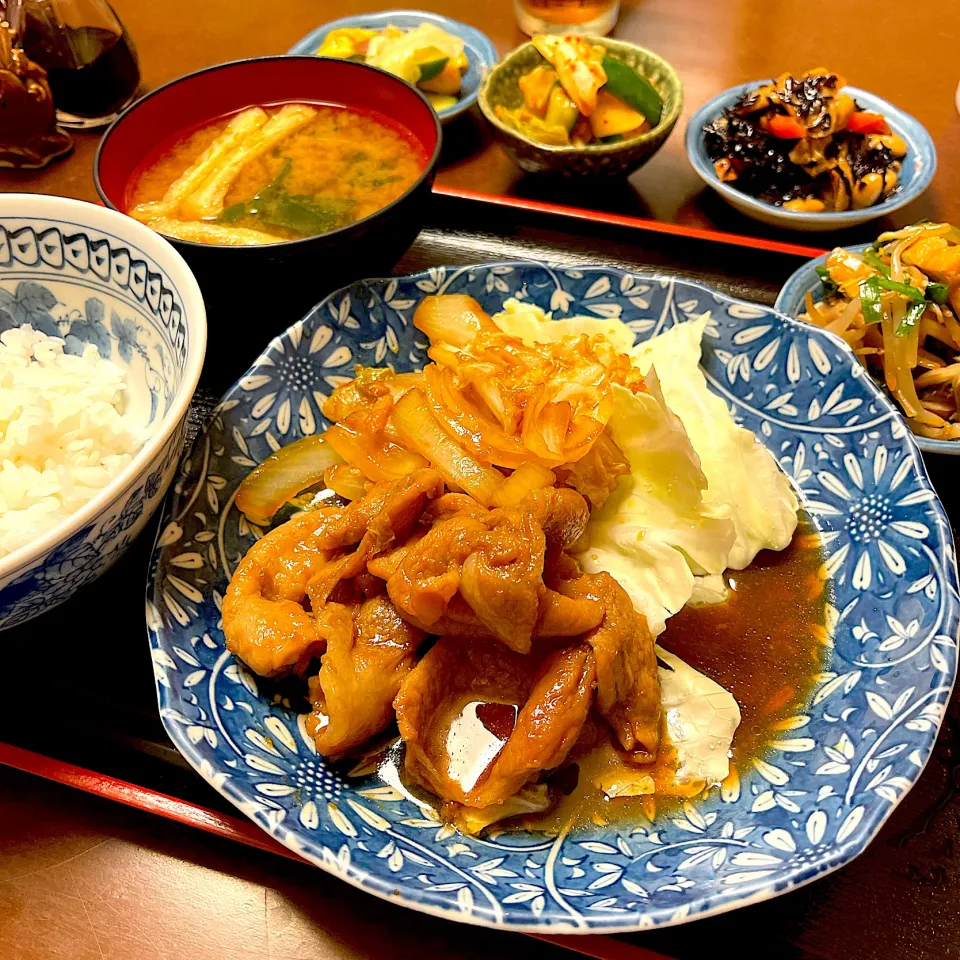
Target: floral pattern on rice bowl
pixel 90 286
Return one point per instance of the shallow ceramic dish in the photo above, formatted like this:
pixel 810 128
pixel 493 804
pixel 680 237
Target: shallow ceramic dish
pixel 791 301
pixel 919 166
pixel 89 275
pixel 605 159
pixel 243 281
pixel 480 51
pixel 827 785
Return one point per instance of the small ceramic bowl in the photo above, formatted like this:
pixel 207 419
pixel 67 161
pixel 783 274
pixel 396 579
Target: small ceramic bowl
pixel 480 51
pixel 247 284
pixel 919 166
pixel 792 301
pixel 605 159
pixel 91 275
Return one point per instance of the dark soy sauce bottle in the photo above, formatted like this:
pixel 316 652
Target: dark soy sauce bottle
pixel 90 60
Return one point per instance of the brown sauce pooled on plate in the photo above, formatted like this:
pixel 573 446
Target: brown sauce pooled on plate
pixel 765 645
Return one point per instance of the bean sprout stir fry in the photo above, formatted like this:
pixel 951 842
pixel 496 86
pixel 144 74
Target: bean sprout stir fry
pixel 896 305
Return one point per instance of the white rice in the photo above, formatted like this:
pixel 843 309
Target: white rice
pixel 63 436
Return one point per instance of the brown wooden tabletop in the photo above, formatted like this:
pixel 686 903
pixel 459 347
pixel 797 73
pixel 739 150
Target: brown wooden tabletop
pixel 901 52
pixel 81 878
pixel 84 879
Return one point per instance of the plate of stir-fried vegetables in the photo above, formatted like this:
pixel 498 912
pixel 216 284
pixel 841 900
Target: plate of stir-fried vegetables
pixel 896 303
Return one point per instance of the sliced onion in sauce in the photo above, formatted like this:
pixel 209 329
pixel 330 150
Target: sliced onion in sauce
pixel 345 481
pixel 420 431
pixel 283 475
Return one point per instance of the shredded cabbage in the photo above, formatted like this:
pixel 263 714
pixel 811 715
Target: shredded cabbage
pixel 743 480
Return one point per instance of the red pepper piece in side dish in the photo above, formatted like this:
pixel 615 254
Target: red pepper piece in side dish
pixel 864 121
pixel 783 127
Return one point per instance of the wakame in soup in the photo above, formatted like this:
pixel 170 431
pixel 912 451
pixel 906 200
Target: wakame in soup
pixel 275 173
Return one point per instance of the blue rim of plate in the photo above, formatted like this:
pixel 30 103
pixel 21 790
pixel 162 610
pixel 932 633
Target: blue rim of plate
pixel 921 160
pixel 790 300
pixel 807 808
pixel 481 53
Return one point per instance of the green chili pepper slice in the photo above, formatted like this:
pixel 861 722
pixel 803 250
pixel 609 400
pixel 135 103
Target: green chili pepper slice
pixel 911 318
pixel 634 90
pixel 870 300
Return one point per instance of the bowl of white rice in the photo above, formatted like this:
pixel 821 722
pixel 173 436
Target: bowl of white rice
pixel 102 338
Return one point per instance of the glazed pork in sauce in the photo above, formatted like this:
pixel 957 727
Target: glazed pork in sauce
pixel 510 536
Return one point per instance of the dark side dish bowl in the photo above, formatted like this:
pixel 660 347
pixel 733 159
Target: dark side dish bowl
pixel 841 155
pixel 501 94
pixel 271 282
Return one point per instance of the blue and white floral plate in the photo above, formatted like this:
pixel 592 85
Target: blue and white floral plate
pixel 828 783
pixel 792 301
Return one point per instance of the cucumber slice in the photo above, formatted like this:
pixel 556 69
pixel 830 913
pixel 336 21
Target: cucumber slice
pixel 432 68
pixel 431 61
pixel 627 85
pixel 561 110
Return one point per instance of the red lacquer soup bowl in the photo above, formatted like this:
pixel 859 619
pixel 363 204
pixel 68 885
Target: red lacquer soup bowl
pixel 264 288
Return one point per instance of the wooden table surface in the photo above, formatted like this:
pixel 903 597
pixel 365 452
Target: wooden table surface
pixel 901 52
pixel 83 878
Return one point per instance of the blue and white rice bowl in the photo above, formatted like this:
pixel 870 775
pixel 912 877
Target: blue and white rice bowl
pixel 93 276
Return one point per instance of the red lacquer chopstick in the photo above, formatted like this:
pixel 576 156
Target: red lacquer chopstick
pixel 638 223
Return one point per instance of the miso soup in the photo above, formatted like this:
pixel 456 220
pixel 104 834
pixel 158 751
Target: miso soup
pixel 274 173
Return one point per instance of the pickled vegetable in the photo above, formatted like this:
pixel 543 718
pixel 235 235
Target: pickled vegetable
pixel 425 56
pixel 536 87
pixel 627 85
pixel 613 117
pixel 582 95
pixel 561 110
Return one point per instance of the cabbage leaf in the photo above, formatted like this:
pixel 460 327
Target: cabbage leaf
pixel 529 323
pixel 708 590
pixel 743 479
pixel 699 721
pixel 700 718
pixel 654 532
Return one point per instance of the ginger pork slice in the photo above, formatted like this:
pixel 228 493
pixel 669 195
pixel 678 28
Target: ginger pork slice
pixel 480 720
pixel 366 660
